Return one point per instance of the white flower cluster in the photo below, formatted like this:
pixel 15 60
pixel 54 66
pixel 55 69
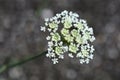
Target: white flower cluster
pixel 69 34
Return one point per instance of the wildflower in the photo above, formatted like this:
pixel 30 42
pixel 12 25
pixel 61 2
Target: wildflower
pixel 64 32
pixel 61 56
pixel 74 33
pixel 68 38
pixel 58 50
pixel 70 55
pixel 50 43
pixel 48 37
pixel 73 48
pixel 69 34
pixel 79 39
pixel 43 29
pixel 79 25
pixel 53 25
pixel 55 37
pixel 68 22
pixel 55 60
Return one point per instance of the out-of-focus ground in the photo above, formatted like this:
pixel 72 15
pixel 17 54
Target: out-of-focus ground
pixel 20 36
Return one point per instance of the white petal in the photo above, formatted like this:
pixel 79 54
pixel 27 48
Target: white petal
pixel 61 56
pixel 48 37
pixel 43 29
pixel 70 55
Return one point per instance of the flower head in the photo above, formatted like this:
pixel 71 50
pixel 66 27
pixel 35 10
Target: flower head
pixel 69 34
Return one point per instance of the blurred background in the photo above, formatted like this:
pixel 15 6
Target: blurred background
pixel 20 36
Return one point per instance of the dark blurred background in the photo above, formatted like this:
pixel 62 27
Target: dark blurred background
pixel 20 36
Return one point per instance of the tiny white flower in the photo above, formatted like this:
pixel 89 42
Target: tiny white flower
pixel 65 12
pixel 61 56
pixel 49 29
pixel 70 13
pixel 79 54
pixel 87 60
pixel 82 61
pixel 51 19
pixel 50 43
pixel 65 48
pixel 90 30
pixel 58 22
pixel 83 21
pixel 48 37
pixel 61 43
pixel 55 61
pixel 58 15
pixel 70 55
pixel 76 15
pixel 55 30
pixel 46 24
pixel 92 38
pixel 46 19
pixel 56 44
pixel 43 29
pixel 75 21
pixel 49 49
pixel 52 54
pixel 91 56
pixel 48 55
pixel 55 18
pixel 92 49
pixel 87 46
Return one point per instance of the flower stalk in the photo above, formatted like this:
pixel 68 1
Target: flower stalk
pixel 6 67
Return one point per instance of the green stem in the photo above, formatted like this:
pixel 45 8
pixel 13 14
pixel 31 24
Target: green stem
pixel 5 67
